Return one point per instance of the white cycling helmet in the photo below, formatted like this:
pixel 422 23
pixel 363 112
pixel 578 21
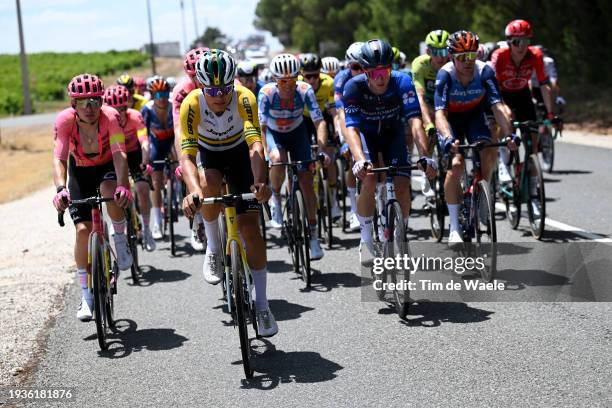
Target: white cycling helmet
pixel 215 68
pixel 331 65
pixel 352 52
pixel 285 66
pixel 171 82
pixel 246 68
pixel 265 76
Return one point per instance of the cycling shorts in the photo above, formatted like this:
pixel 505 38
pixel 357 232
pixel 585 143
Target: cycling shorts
pixel 159 151
pixel 521 104
pixel 134 161
pixel 83 182
pixel 472 126
pixel 390 142
pixel 296 142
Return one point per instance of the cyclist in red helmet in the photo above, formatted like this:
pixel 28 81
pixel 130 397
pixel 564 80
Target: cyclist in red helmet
pixel 89 152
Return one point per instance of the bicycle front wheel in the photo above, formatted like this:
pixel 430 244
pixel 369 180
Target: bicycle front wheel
pixel 132 235
pixel 100 290
pixel 171 215
pixel 327 214
pixel 241 302
pixel 547 149
pixel 397 246
pixel 486 231
pixel 302 236
pixel 511 192
pixel 536 205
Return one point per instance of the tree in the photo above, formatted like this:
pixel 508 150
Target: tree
pixel 212 38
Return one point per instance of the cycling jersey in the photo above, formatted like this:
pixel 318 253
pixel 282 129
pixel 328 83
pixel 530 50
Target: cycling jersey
pixel 424 76
pixel 67 139
pixel 369 112
pixel 134 129
pixel 139 101
pixel 514 78
pixel 283 116
pixel 339 83
pixel 154 124
pixel 200 126
pixel 324 94
pixel 180 92
pixel 452 96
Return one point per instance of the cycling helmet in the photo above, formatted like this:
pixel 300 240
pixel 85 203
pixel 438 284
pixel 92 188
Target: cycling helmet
pixel 266 76
pixel 158 85
pixel 139 83
pixel 462 41
pixel 437 39
pixel 116 96
pixel 310 62
pixel 191 58
pixel 126 80
pixel 246 68
pixel 216 68
pixel 352 53
pixel 396 54
pixel 518 28
pixel 375 53
pixel 285 66
pixel 330 65
pixel 86 86
pixel 402 58
pixel 171 82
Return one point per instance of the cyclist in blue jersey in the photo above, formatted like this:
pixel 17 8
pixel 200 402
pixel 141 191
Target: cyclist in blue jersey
pixel 464 87
pixel 281 108
pixel 377 105
pixel 157 115
pixel 246 75
pixel 353 69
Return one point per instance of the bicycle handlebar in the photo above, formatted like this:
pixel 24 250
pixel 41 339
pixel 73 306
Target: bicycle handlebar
pixel 394 169
pixel 90 201
pixel 227 199
pixel 320 157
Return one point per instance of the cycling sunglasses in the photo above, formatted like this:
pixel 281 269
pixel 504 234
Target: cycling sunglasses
pixel 286 82
pixel 466 56
pixel 311 76
pixel 438 52
pixel 95 103
pixel 161 94
pixel 380 72
pixel 214 91
pixel 517 42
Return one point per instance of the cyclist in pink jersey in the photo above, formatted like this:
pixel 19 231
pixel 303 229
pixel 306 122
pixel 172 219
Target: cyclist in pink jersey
pixel 180 91
pixel 137 149
pixel 90 150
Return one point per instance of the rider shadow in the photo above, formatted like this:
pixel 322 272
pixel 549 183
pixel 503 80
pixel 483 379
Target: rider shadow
pixel 279 266
pixel 325 282
pixel 515 279
pixel 282 309
pixel 419 235
pixel 346 243
pixel 274 367
pixel 126 339
pixel 151 275
pixel 569 172
pixel 433 314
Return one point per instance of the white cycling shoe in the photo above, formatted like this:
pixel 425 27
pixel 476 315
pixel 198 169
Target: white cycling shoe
pixel 149 241
pixel 157 233
pixel 454 238
pixel 212 269
pixel 266 323
pixel 84 313
pixel 316 252
pixel 276 219
pixel 196 243
pixel 335 212
pixel 354 223
pixel 367 253
pixel 124 257
pixel 503 173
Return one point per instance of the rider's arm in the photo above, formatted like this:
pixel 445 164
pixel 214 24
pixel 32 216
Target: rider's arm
pixel 247 108
pixel 310 101
pixel 352 115
pixel 61 141
pixel 500 110
pixel 117 146
pixel 411 110
pixel 189 119
pixel 143 138
pixel 419 84
pixel 262 112
pixel 544 82
pixel 443 82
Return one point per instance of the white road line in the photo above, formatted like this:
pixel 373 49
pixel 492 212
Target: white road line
pixel 566 227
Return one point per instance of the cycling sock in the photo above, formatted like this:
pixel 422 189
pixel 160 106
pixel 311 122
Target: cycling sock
pixel 314 231
pixel 82 275
pixel 119 226
pixel 453 213
pixel 352 193
pixel 260 281
pixel 157 217
pixel 276 199
pixel 211 228
pixel 365 226
pixel 145 221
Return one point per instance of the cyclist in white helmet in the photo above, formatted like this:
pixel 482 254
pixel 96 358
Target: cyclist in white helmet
pixel 330 66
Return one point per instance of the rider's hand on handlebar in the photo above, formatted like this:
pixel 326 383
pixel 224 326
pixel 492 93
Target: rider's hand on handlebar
pixel 123 196
pixel 146 169
pixel 513 141
pixel 190 207
pixel 61 200
pixel 430 166
pixel 178 173
pixel 262 192
pixel 451 145
pixel 360 167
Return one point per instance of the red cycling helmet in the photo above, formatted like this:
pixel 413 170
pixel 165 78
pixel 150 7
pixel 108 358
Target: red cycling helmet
pixel 518 28
pixel 116 96
pixel 191 58
pixel 86 86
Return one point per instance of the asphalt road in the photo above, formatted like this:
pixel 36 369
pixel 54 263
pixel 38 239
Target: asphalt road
pixel 175 345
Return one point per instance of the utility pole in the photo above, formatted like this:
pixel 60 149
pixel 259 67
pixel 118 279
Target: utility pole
pixel 151 44
pixel 25 81
pixel 195 19
pixel 185 45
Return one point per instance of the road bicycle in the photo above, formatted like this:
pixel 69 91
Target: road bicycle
pixel 547 135
pixel 171 201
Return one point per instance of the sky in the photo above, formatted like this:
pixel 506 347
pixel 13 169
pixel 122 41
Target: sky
pixel 102 25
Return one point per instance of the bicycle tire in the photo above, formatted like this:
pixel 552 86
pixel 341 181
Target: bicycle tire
pixel 484 199
pixel 547 150
pixel 537 224
pixel 327 216
pixel 437 215
pixel 242 307
pixel 397 245
pixel 302 237
pixel 132 236
pixel 223 240
pixel 511 194
pixel 98 282
pixel 262 223
pixel 171 216
pixel 342 190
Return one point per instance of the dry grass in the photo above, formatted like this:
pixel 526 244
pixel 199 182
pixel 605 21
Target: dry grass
pixel 26 157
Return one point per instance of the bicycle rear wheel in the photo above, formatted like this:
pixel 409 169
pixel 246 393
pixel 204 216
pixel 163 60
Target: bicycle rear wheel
pixel 171 215
pixel 342 191
pixel 327 214
pixel 438 212
pixel 397 245
pixel 486 231
pixel 302 236
pixel 132 235
pixel 547 149
pixel 511 192
pixel 100 290
pixel 536 205
pixel 242 307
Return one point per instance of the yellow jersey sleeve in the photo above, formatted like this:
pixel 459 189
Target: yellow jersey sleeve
pixel 247 108
pixel 139 101
pixel 190 117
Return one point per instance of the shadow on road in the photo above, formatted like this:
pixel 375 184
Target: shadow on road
pixel 568 172
pixel 151 275
pixel 326 281
pixel 282 309
pixel 126 339
pixel 274 367
pixel 433 314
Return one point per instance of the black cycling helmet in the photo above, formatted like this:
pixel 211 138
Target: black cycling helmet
pixel 375 53
pixel 310 62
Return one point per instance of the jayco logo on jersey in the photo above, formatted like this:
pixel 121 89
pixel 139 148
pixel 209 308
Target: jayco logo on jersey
pixel 190 117
pixel 231 117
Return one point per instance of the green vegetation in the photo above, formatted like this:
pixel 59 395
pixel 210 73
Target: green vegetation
pixel 576 32
pixel 51 72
